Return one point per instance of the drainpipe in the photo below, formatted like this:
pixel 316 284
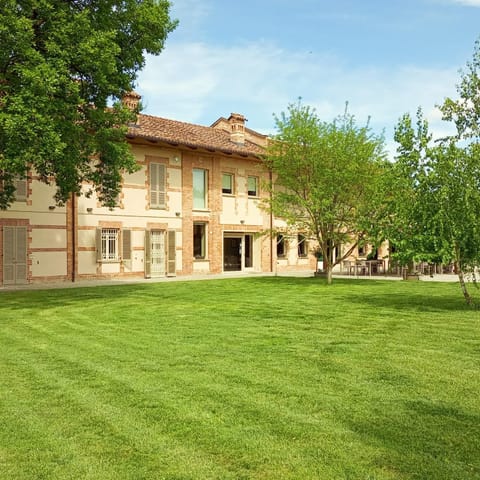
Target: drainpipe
pixel 74 244
pixel 271 223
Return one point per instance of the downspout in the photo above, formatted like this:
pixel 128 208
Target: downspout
pixel 74 244
pixel 271 222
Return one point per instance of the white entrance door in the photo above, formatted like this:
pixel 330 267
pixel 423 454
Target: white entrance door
pixel 14 255
pixel 155 253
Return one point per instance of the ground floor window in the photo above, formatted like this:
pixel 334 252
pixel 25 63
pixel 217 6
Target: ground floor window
pixel 109 244
pixel 281 246
pixel 302 245
pixel 199 240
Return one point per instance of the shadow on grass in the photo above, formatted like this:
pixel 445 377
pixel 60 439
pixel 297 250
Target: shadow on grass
pixel 378 294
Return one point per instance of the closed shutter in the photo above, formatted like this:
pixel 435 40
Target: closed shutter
pixel 171 253
pixel 98 244
pixel 15 264
pixel 21 270
pixel 126 244
pixel 157 185
pixel 147 256
pixel 20 190
pixel 8 255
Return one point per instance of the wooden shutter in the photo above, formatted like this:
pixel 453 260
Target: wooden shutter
pixel 157 185
pixel 15 264
pixel 147 256
pixel 8 255
pixel 21 255
pixel 20 190
pixel 126 244
pixel 171 253
pixel 98 244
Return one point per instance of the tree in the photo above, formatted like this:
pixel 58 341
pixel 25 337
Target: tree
pixel 405 217
pixel 326 179
pixel 435 204
pixel 64 68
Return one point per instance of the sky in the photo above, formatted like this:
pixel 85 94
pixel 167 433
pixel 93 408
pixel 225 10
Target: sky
pixel 255 57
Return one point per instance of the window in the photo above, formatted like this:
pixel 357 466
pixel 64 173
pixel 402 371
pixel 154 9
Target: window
pixel 252 186
pixel 281 246
pixel 199 188
pixel 20 189
pixel 302 245
pixel 157 185
pixel 108 244
pixel 227 183
pixel 199 240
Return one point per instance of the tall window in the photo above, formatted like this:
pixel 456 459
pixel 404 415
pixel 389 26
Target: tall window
pixel 199 240
pixel 109 244
pixel 252 186
pixel 281 247
pixel 227 183
pixel 157 185
pixel 302 245
pixel 199 188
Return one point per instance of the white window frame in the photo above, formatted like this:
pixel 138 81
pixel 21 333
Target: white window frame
pixel 251 192
pixel 200 190
pixel 225 189
pixel 110 244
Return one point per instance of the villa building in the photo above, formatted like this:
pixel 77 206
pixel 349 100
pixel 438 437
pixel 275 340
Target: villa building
pixel 193 207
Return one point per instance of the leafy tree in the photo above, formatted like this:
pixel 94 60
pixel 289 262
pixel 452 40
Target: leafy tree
pixel 404 221
pixel 64 67
pixel 435 201
pixel 326 179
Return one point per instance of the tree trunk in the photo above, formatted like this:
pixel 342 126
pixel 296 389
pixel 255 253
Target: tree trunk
pixel 463 286
pixel 461 277
pixel 329 274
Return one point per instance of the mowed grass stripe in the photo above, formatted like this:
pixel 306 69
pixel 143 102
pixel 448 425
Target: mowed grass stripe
pixel 241 378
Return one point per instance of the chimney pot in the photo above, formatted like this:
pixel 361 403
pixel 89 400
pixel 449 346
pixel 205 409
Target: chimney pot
pixel 237 133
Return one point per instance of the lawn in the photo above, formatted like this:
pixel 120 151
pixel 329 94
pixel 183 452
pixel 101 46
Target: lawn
pixel 253 378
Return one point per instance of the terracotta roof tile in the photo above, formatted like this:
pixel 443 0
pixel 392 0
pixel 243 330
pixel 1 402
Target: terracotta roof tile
pixel 190 135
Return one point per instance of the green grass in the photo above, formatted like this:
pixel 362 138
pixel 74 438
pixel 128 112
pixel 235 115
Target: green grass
pixel 259 378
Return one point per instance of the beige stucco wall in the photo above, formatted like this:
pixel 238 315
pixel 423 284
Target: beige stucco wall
pixel 45 264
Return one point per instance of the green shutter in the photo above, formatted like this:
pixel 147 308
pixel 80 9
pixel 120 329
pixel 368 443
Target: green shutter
pixel 157 185
pixel 147 255
pixel 171 253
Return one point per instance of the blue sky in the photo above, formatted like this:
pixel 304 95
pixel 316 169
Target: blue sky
pixel 255 57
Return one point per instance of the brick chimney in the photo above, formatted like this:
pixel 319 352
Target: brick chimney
pixel 237 132
pixel 132 101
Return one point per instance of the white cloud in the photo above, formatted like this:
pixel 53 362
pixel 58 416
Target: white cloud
pixel 197 83
pixel 470 3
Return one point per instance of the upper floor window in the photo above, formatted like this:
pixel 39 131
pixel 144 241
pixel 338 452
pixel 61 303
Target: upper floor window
pixel 252 186
pixel 199 188
pixel 227 183
pixel 302 245
pixel 157 185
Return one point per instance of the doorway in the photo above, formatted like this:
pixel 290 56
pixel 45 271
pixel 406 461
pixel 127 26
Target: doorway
pixel 237 252
pixel 14 255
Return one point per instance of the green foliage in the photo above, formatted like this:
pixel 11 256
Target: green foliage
pixel 435 202
pixel 326 177
pixel 61 65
